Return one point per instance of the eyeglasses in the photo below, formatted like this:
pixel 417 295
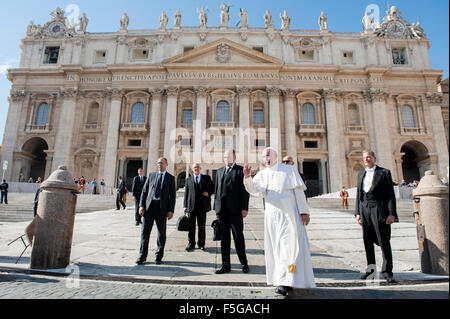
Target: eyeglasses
pixel 286 162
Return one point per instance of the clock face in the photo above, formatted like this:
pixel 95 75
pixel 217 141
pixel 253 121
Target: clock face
pixel 56 29
pixel 396 29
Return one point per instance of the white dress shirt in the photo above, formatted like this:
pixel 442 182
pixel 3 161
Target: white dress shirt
pixel 367 183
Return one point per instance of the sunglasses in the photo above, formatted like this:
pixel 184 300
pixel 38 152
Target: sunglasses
pixel 286 162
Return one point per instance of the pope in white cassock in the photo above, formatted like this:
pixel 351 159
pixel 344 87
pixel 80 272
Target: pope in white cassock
pixel 286 244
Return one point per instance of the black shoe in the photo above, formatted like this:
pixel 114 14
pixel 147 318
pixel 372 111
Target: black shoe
pixel 245 269
pixel 223 270
pixel 158 261
pixel 281 290
pixel 389 277
pixel 140 261
pixel 138 223
pixel 202 248
pixel 189 247
pixel 124 207
pixel 366 275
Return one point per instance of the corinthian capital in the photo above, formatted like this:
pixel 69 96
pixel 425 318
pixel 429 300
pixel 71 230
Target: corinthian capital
pixel 69 93
pixel 244 90
pixel 289 93
pixel 201 91
pixel 331 94
pixel 172 91
pixel 273 91
pixel 18 95
pixel 378 95
pixel 157 92
pixel 434 97
pixel 114 93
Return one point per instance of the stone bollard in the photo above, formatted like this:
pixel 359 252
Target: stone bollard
pixel 431 207
pixel 55 221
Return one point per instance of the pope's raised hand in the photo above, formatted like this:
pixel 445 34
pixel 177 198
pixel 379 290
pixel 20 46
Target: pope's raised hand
pixel 247 170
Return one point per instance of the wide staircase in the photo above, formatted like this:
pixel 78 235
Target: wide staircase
pixel 405 207
pixel 20 205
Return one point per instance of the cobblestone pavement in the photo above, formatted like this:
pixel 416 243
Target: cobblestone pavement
pixel 22 286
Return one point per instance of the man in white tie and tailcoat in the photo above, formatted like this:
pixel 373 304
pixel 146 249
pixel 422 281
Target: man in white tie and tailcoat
pixel 286 243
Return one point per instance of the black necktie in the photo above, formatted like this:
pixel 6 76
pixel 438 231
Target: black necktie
pixel 196 179
pixel 158 187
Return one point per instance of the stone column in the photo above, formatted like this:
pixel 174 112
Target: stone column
pixel 11 131
pixel 383 152
pixel 63 143
pixel 335 153
pixel 112 140
pixel 199 126
pixel 323 162
pixel 155 130
pixel 171 126
pixel 290 135
pixel 245 145
pixel 437 124
pixel 274 118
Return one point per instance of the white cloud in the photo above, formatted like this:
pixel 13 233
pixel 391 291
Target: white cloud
pixel 7 65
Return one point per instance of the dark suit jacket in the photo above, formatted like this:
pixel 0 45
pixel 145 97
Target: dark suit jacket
pixel 234 191
pixel 381 192
pixel 121 188
pixel 206 185
pixel 137 186
pixel 168 193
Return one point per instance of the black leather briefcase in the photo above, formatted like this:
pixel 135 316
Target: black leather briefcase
pixel 217 230
pixel 183 223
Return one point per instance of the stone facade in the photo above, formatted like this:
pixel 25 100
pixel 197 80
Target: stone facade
pixel 104 104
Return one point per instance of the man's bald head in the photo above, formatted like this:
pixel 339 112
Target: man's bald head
pixel 288 160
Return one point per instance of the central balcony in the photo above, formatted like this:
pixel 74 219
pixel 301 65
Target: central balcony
pixel 311 129
pixel 134 128
pixel 222 124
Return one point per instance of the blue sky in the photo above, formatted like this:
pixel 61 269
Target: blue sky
pixel 104 16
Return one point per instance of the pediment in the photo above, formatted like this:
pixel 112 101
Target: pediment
pixel 223 53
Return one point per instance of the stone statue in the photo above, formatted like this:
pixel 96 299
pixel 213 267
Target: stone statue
pixel 224 15
pixel 58 14
pixel 244 18
pixel 31 29
pixel 177 19
pixel 202 17
pixel 417 31
pixel 163 20
pixel 124 21
pixel 393 13
pixel 268 20
pixel 83 23
pixel 367 22
pixel 285 21
pixel 323 24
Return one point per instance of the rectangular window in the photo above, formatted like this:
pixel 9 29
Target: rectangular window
pixel 306 55
pixel 258 117
pixel 140 54
pixel 311 144
pixel 134 143
pixel 259 49
pixel 260 143
pixel 100 56
pixel 347 57
pixel 51 55
pixel 186 142
pixel 187 117
pixel 399 56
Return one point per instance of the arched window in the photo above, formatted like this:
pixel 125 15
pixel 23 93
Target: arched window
pixel 92 117
pixel 258 116
pixel 223 111
pixel 353 115
pixel 138 113
pixel 308 115
pixel 42 114
pixel 408 116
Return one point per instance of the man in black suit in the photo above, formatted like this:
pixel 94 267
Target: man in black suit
pixel 376 212
pixel 121 190
pixel 197 202
pixel 231 206
pixel 138 184
pixel 157 205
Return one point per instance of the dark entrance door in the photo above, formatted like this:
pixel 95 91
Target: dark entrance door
pixel 311 175
pixel 132 171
